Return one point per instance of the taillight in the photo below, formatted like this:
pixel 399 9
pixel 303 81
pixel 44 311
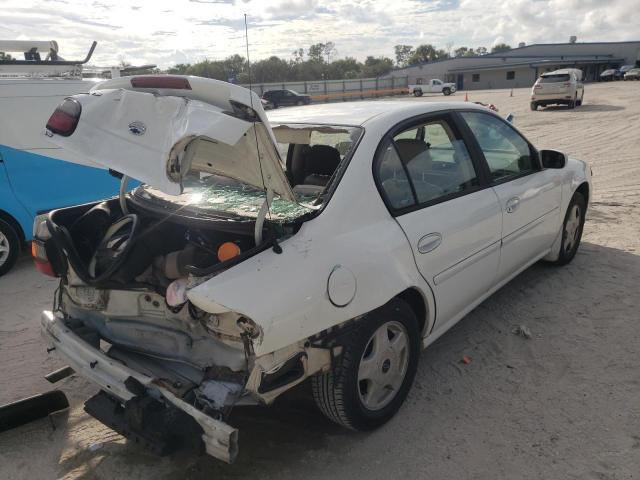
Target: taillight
pixel 161 81
pixel 38 249
pixel 65 117
pixel 567 84
pixel 537 86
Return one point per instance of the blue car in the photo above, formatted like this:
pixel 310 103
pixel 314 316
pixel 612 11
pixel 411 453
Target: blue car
pixel 32 178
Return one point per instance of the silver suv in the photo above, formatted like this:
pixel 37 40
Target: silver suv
pixel 560 87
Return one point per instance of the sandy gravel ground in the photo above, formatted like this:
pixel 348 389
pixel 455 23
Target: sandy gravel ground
pixel 564 404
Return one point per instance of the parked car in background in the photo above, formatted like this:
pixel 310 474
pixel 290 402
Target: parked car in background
pixel 432 86
pixel 33 179
pixel 560 87
pixel 623 70
pixel 236 272
pixel 279 98
pixel 632 74
pixel 609 75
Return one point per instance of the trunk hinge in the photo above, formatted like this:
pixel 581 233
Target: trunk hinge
pixel 262 213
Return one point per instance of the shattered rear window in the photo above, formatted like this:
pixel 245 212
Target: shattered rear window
pixel 216 194
pixel 206 193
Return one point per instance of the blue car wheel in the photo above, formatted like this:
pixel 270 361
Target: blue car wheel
pixel 9 247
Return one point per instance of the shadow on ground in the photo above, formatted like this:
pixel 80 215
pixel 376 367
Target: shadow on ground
pixel 292 439
pixel 587 107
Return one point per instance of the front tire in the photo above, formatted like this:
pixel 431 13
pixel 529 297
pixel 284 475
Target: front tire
pixel 572 228
pixel 371 378
pixel 446 91
pixel 9 247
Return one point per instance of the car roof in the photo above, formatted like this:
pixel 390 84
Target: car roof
pixel 359 113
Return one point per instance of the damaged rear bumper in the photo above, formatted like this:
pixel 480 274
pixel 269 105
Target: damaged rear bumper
pixel 220 440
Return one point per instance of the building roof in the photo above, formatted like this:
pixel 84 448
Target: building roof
pixel 539 63
pixel 521 53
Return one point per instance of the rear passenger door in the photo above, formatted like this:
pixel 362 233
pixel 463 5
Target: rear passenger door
pixel 438 195
pixel 529 195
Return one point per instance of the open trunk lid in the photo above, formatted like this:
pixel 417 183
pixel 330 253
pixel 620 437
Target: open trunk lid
pixel 156 129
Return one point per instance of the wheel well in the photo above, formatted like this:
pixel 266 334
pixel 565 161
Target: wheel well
pixel 12 221
pixel 416 301
pixel 584 190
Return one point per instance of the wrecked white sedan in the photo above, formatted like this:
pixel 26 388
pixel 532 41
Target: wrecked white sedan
pixel 332 242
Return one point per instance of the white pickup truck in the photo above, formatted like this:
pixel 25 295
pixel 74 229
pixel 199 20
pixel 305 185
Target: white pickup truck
pixel 432 86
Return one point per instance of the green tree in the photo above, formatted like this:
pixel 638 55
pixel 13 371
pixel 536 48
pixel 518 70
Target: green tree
pixel 6 56
pixel 316 52
pixel 344 68
pixel 463 52
pixel 272 69
pixel 427 53
pixel 403 54
pixel 481 51
pixel 500 47
pixel 297 55
pixel 376 66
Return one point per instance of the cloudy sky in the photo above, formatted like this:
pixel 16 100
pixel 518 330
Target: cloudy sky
pixel 165 32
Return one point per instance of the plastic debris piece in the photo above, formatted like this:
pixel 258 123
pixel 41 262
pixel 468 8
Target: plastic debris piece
pixel 466 359
pixel 522 330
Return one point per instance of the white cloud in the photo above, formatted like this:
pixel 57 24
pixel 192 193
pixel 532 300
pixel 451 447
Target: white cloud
pixel 169 31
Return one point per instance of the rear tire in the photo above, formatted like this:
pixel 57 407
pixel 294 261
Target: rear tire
pixel 417 93
pixel 572 228
pixel 572 104
pixel 9 247
pixel 534 106
pixel 371 378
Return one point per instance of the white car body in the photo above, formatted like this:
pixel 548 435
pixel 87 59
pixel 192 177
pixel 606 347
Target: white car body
pixel 432 86
pixel 632 74
pixel 560 87
pixel 350 258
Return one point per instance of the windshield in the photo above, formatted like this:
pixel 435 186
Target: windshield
pixel 554 78
pixel 311 155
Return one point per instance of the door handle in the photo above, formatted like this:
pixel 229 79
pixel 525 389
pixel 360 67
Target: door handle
pixel 513 204
pixel 429 242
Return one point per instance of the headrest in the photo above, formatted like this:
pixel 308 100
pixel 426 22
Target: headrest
pixel 322 160
pixel 409 148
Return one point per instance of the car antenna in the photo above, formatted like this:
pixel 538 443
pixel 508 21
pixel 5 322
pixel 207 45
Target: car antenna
pixel 266 206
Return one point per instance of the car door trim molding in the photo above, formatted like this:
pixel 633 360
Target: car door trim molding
pixel 467 262
pixel 526 228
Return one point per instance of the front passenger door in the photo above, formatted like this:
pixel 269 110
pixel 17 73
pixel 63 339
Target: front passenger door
pixel 529 196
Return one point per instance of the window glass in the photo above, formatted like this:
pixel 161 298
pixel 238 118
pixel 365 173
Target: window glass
pixel 438 163
pixel 393 179
pixel 437 82
pixel 555 78
pixel 511 75
pixel 475 77
pixel 506 152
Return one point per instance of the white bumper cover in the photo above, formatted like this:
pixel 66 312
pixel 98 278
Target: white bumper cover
pixel 220 439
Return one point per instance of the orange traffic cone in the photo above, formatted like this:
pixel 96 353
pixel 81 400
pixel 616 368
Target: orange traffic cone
pixel 466 97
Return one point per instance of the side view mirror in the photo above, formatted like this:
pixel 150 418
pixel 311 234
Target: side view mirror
pixel 553 159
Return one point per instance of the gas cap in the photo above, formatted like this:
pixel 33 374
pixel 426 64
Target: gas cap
pixel 341 286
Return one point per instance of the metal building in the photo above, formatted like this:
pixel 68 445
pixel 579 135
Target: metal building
pixel 521 66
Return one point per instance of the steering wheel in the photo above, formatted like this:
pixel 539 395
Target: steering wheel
pixel 114 247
